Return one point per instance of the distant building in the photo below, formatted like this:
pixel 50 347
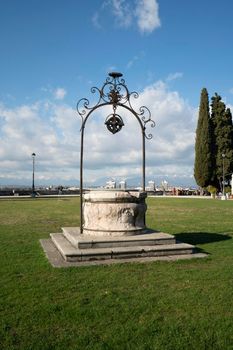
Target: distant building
pixel 122 185
pixel 151 186
pixel 110 184
pixel 164 185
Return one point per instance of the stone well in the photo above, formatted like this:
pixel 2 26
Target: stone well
pixel 114 213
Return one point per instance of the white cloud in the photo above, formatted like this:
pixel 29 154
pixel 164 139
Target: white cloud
pixel 96 20
pixel 122 12
pixel 131 62
pixel 142 13
pixel 174 76
pixel 53 132
pixel 59 93
pixel 171 150
pixel 147 13
pixel 135 59
pixel 34 128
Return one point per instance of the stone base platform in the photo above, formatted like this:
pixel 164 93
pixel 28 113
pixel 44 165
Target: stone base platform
pixel 77 248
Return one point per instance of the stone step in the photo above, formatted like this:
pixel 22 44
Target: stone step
pixel 84 242
pixel 70 253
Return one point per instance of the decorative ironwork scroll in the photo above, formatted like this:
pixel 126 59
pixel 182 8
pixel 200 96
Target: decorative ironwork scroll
pixel 115 93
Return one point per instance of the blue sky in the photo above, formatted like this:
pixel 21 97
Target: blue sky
pixel 53 52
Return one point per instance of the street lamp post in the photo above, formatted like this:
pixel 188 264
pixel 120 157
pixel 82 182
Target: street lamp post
pixel 33 174
pixel 223 176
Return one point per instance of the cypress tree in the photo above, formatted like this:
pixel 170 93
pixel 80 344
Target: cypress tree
pixel 228 141
pixel 222 136
pixel 203 166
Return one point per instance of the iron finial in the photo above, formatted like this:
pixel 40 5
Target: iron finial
pixel 115 75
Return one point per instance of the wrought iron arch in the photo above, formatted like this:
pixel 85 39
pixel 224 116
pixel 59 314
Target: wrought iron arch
pixel 114 92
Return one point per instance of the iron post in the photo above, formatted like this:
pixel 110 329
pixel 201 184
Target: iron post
pixel 33 174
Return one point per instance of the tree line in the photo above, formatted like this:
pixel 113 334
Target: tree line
pixel 214 143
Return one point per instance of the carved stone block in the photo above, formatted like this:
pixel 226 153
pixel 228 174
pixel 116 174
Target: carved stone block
pixel 114 213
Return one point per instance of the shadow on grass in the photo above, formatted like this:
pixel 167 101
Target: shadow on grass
pixel 201 237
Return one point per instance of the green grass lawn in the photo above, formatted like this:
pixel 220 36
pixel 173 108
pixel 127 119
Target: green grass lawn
pixel 159 305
